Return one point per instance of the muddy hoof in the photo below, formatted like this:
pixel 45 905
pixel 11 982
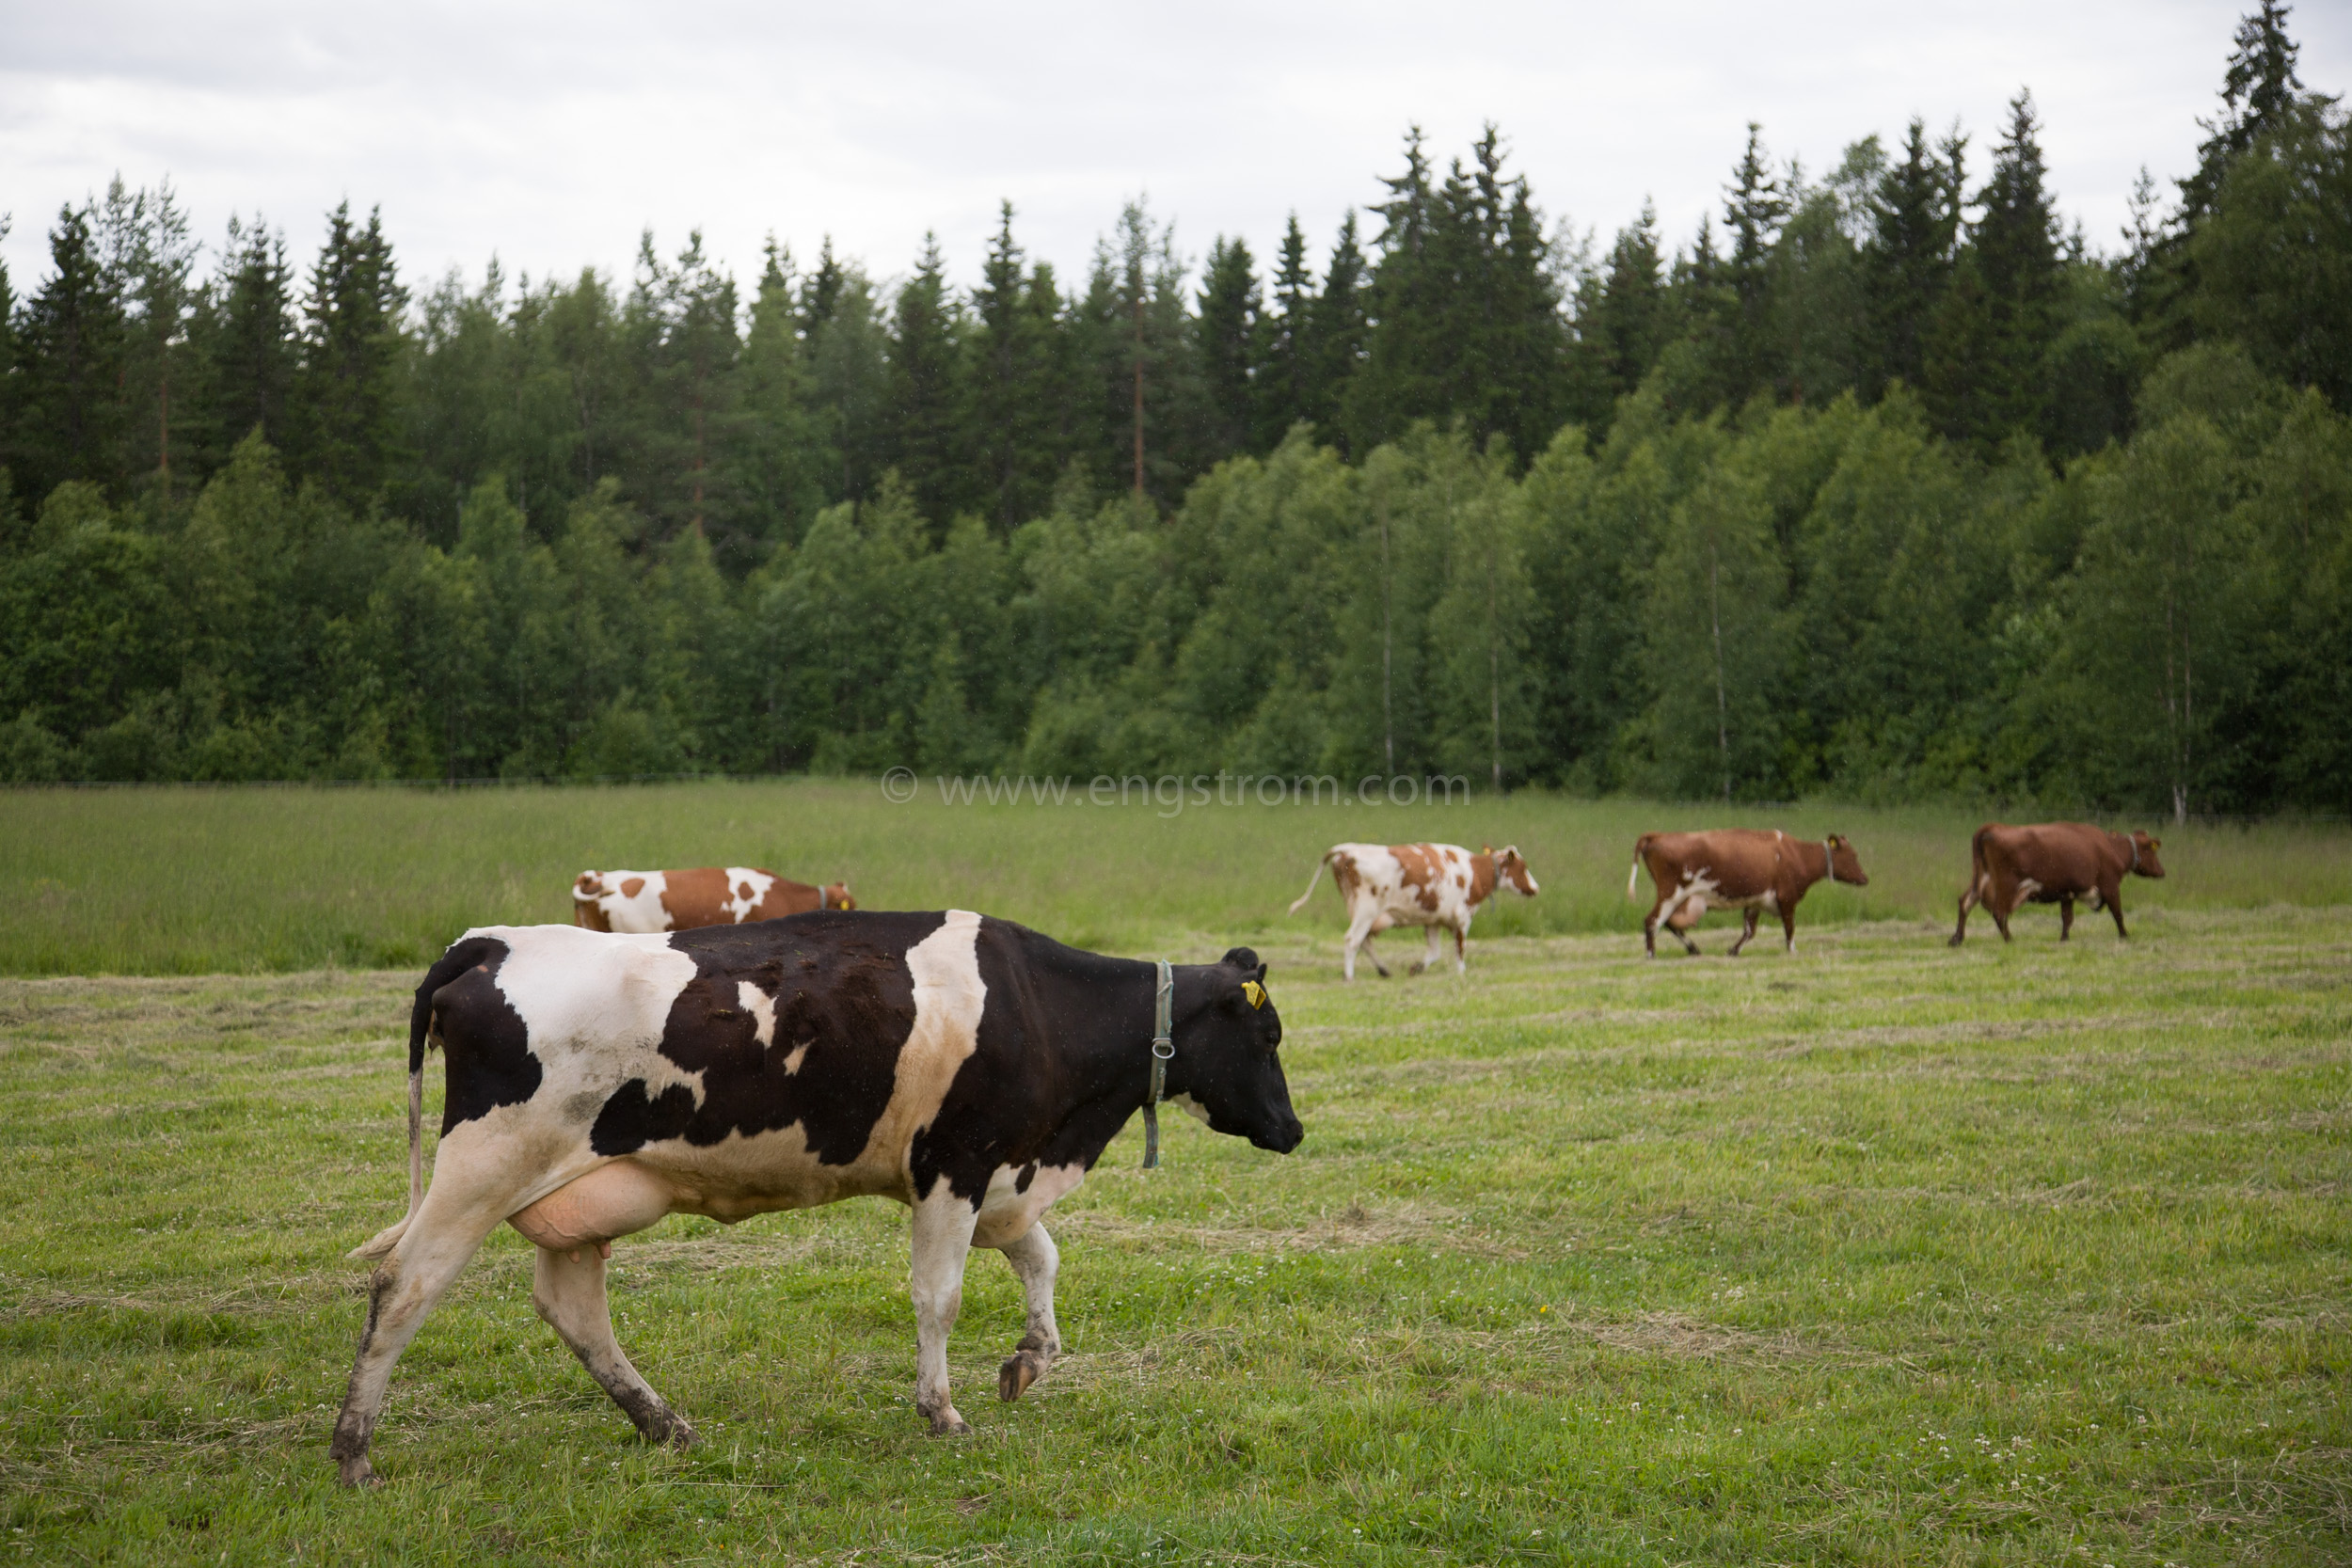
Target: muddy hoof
pixel 1014 1377
pixel 948 1424
pixel 357 1473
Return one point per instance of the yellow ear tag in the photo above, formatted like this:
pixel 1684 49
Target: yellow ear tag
pixel 1255 991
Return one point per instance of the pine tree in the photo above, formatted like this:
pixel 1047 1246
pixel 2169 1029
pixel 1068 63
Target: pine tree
pixel 1226 332
pixel 347 388
pixel 150 260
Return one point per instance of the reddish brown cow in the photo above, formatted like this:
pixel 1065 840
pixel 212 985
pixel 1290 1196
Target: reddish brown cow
pixel 2053 862
pixel 1735 868
pixel 647 902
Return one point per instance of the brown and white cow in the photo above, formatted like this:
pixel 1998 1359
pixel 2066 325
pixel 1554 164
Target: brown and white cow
pixel 1751 870
pixel 2053 862
pixel 1438 886
pixel 968 1067
pixel 638 903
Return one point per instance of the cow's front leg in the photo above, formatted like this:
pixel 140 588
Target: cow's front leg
pixel 567 1288
pixel 1035 1261
pixel 1429 959
pixel 1461 949
pixel 2066 916
pixel 2115 907
pixel 1747 929
pixel 943 1240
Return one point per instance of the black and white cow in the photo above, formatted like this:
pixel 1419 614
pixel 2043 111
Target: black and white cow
pixel 969 1068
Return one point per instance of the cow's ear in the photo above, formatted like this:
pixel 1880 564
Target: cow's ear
pixel 1243 959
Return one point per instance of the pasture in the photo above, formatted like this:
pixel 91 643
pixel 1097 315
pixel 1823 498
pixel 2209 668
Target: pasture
pixel 1880 1253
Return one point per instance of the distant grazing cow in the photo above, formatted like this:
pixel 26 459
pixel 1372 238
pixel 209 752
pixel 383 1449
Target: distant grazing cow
pixel 646 901
pixel 2053 862
pixel 1749 870
pixel 968 1067
pixel 1437 885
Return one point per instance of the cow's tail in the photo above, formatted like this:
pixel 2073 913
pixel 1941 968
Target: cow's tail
pixel 1633 876
pixel 1311 881
pixel 1975 856
pixel 453 964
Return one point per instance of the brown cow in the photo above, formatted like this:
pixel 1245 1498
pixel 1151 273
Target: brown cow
pixel 1735 868
pixel 2053 862
pixel 642 902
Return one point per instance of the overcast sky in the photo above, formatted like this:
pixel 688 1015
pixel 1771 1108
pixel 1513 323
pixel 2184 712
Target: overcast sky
pixel 552 134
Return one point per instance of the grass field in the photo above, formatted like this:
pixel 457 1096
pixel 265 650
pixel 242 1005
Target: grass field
pixel 1877 1254
pixel 178 881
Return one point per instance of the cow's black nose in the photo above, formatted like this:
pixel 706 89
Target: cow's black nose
pixel 1285 1140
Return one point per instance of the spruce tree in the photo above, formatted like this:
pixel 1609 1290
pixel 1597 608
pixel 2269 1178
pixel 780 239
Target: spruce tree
pixel 71 347
pixel 2259 89
pixel 1914 230
pixel 1285 350
pixel 2016 241
pixel 1339 335
pixel 1225 333
pixel 246 339
pixel 1627 320
pixel 1016 391
pixel 925 363
pixel 1754 206
pixel 347 388
pixel 1407 301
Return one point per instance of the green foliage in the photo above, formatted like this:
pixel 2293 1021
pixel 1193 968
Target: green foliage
pixel 1469 500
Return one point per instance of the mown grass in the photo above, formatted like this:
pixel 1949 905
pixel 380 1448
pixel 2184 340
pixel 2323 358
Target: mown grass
pixel 1878 1253
pixel 163 881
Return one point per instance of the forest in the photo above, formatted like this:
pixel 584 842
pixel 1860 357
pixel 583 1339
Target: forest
pixel 1887 484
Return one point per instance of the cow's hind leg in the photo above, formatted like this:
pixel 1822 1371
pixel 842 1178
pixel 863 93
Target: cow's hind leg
pixel 1969 896
pixel 567 1287
pixel 1747 929
pixel 436 1245
pixel 1035 1261
pixel 942 1240
pixel 2066 917
pixel 1429 959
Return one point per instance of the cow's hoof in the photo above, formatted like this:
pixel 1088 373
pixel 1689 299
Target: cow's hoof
pixel 948 1424
pixel 1954 942
pixel 676 1435
pixel 1014 1377
pixel 1418 969
pixel 357 1473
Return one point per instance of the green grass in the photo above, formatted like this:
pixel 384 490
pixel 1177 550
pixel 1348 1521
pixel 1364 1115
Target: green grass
pixel 176 881
pixel 1881 1254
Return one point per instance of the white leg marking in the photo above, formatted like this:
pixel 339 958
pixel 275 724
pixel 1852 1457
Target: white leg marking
pixel 943 1240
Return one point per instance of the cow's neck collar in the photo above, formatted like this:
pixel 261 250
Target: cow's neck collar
pixel 2133 840
pixel 1163 1048
pixel 1829 861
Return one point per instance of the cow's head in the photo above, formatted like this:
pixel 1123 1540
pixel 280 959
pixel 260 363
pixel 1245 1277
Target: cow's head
pixel 1511 868
pixel 1231 1067
pixel 2144 860
pixel 835 895
pixel 1844 864
pixel 586 910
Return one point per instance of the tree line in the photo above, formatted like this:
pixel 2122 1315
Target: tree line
pixel 1888 485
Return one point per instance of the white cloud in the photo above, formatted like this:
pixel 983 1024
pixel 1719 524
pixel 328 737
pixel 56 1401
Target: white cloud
pixel 551 134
